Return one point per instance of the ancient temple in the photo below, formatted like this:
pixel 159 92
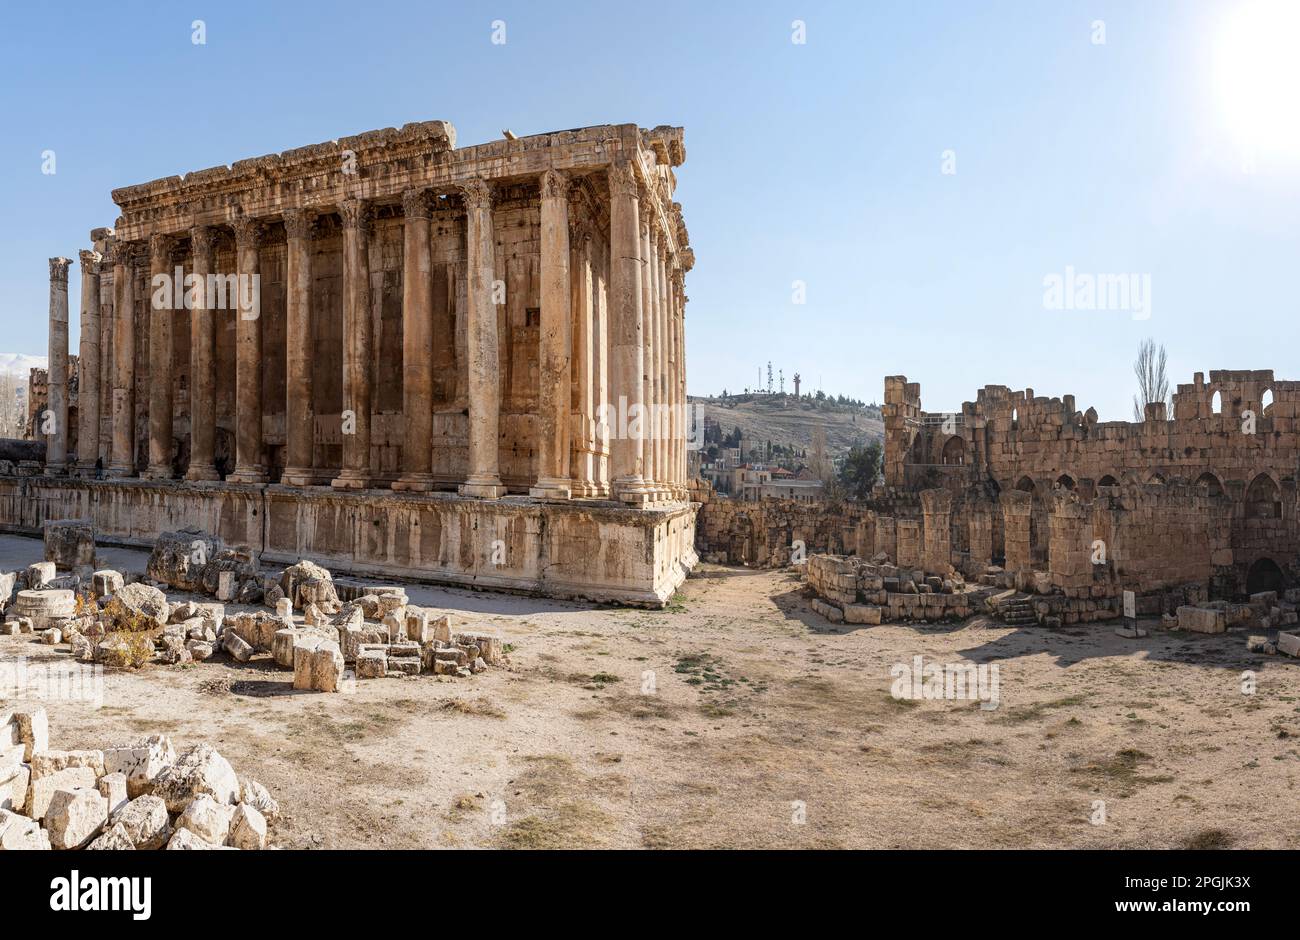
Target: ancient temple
pixel 397 356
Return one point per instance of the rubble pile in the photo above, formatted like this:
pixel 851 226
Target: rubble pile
pixel 134 796
pixel 853 590
pixel 119 620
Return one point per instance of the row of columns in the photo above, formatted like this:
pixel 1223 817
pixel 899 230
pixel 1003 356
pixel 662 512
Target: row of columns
pixel 644 354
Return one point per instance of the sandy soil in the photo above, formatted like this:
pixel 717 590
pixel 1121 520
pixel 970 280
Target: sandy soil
pixel 714 723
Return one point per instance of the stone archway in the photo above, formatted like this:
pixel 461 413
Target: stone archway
pixel 1264 575
pixel 954 452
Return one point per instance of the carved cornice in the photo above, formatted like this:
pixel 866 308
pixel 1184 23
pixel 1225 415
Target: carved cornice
pixel 417 204
pixel 89 261
pixel 477 194
pixel 554 185
pixel 248 232
pixel 59 270
pixel 160 250
pixel 298 222
pixel 355 214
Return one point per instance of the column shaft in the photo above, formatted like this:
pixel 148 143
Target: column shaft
pixel 627 364
pixel 417 343
pixel 203 339
pixel 355 474
pixel 248 354
pixel 162 313
pixel 484 478
pixel 123 458
pixel 88 379
pixel 299 414
pixel 554 393
pixel 585 444
pixel 54 421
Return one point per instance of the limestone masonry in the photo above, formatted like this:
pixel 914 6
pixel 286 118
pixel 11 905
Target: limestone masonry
pixel 392 355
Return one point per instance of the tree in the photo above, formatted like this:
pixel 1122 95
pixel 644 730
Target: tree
pixel 1153 381
pixel 861 470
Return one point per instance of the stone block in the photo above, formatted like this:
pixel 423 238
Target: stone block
pixel 75 816
pixel 207 819
pixel 113 788
pixel 47 762
pixel 145 822
pixel 199 770
pixel 113 838
pixel 861 613
pixel 18 832
pixel 106 583
pixel 142 763
pixel 1202 619
pixel 41 791
pixel 33 730
pixel 1289 644
pixel 372 664
pixel 69 543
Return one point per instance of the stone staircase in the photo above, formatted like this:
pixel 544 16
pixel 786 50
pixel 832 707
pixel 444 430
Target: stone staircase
pixel 1014 609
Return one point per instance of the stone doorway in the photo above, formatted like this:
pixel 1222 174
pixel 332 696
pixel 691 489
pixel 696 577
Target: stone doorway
pixel 1264 575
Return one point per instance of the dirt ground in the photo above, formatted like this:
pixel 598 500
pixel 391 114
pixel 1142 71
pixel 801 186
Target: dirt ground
pixel 740 719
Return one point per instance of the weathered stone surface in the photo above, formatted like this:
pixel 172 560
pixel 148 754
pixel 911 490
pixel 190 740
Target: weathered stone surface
pixel 308 583
pixel 142 762
pixel 40 574
pixel 237 647
pixel 106 583
pixel 1288 644
pixel 15 783
pixel 257 796
pixel 75 816
pixel 47 762
pixel 489 645
pixel 180 559
pixel 39 607
pixel 113 788
pixel 115 838
pixel 185 840
pixel 247 828
pixel 1202 620
pixel 201 769
pixel 326 667
pixel 199 650
pixel 137 607
pixel 372 664
pixel 33 730
pixel 207 819
pixel 145 822
pixel 256 628
pixel 42 790
pixel 18 832
pixel 70 543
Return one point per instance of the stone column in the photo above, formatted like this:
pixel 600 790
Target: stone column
pixel 585 443
pixel 553 356
pixel 123 454
pixel 484 478
pixel 355 473
pixel 417 343
pixel 657 378
pixel 162 312
pixel 88 379
pixel 674 431
pixel 649 396
pixel 54 422
pixel 299 414
pixel 248 354
pixel 683 463
pixel 627 361
pixel 203 341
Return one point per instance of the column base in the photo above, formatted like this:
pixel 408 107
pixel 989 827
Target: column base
pixel 247 475
pixel 302 476
pixel 586 489
pixel 118 471
pixel 158 473
pixel 351 480
pixel 552 489
pixel 482 490
pixel 414 483
pixel 202 474
pixel 634 491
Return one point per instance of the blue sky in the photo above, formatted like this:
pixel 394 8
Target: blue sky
pixel 819 163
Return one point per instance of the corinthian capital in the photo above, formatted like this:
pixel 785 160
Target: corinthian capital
pixel 297 223
pixel 248 232
pixel 201 237
pixel 89 261
pixel 59 270
pixel 477 194
pixel 160 250
pixel 355 214
pixel 622 179
pixel 417 204
pixel 554 185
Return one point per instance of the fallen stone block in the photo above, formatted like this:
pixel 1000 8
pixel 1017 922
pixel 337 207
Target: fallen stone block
pixel 137 607
pixel 145 822
pixel 14 784
pixel 112 787
pixel 33 730
pixel 372 664
pixel 207 819
pixel 106 583
pixel 142 763
pixel 185 840
pixel 1288 644
pixel 403 665
pixel 19 832
pixel 40 574
pixel 41 791
pixel 75 817
pixel 238 649
pixel 1202 619
pixel 113 838
pixel 861 613
pixel 489 645
pixel 201 769
pixel 326 667
pixel 69 543
pixel 257 796
pixel 199 650
pixel 47 762
pixel 247 828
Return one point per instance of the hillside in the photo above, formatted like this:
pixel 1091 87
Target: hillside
pixel 788 422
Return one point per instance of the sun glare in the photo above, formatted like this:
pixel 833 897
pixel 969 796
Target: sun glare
pixel 1257 77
